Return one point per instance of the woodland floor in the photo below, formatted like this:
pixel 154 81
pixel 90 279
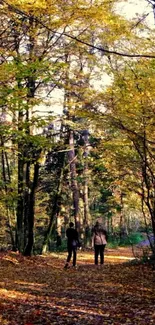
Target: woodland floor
pixel 38 290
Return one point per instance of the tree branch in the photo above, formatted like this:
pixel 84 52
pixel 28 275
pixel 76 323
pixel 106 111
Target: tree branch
pixel 99 48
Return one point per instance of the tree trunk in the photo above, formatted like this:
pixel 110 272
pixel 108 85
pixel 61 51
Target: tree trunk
pixel 73 176
pixel 85 191
pixel 29 246
pixel 20 203
pixel 26 202
pixel 86 201
pixel 29 194
pixel 121 223
pixel 86 220
pixel 85 172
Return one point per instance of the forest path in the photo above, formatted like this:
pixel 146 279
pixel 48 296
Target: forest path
pixel 38 290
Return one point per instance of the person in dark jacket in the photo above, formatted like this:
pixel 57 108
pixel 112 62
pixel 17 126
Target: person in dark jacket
pixel 99 241
pixel 72 244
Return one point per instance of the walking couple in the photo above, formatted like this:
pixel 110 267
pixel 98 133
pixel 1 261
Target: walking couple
pixel 99 241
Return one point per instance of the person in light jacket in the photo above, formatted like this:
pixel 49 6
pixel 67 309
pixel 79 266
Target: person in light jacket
pixel 99 241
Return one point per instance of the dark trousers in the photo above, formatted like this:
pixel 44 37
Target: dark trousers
pixel 70 251
pixel 99 250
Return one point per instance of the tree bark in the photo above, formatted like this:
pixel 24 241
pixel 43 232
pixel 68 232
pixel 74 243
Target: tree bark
pixel 85 191
pixel 29 246
pixel 20 201
pixel 73 176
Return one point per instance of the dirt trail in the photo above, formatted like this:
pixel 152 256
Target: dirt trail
pixel 38 290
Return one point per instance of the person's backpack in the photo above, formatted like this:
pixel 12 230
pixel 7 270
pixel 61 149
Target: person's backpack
pixel 76 243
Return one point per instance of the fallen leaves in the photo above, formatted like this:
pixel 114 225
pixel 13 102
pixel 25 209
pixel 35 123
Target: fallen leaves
pixel 38 291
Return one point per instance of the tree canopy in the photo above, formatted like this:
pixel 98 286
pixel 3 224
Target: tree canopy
pixel 96 157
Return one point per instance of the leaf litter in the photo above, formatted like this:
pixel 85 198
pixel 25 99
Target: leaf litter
pixel 38 290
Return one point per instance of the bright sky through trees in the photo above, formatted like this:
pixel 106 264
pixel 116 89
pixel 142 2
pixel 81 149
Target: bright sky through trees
pixel 134 9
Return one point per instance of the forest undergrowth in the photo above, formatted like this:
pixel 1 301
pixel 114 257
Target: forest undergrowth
pixel 37 290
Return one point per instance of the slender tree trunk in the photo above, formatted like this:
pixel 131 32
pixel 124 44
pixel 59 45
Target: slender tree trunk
pixel 85 190
pixel 29 194
pixel 85 198
pixel 20 202
pixel 85 172
pixel 7 167
pixel 111 225
pixel 86 209
pixel 29 246
pixel 121 218
pixel 26 202
pixel 86 221
pixel 3 164
pixel 73 176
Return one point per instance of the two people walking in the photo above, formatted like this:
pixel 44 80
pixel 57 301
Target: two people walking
pixel 99 241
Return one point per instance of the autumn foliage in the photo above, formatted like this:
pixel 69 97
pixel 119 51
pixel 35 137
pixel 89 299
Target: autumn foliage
pixel 38 290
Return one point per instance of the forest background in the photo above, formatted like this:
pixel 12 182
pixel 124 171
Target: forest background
pixel 94 159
